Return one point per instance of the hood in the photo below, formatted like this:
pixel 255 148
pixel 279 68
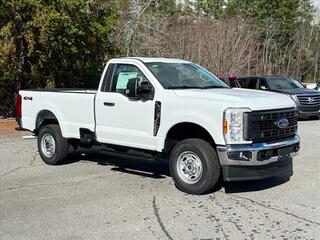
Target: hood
pixel 299 91
pixel 239 97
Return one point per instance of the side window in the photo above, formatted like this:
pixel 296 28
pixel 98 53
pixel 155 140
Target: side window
pixel 252 83
pixel 233 83
pixel 261 84
pixel 107 78
pixel 122 74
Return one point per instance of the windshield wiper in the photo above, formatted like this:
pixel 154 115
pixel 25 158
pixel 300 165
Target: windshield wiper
pixel 207 87
pixel 193 87
pixel 183 87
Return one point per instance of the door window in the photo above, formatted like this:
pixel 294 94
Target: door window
pixel 123 73
pixel 253 83
pixel 261 84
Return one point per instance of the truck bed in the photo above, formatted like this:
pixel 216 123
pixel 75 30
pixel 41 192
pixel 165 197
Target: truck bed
pixel 64 90
pixel 73 107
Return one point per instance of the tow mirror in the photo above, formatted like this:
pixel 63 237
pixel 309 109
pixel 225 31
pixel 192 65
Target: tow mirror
pixel 132 88
pixel 145 91
pixel 136 89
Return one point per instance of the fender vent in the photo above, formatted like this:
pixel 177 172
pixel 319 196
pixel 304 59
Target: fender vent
pixel 157 117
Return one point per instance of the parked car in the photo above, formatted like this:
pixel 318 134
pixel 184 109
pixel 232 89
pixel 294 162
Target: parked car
pixel 307 100
pixel 171 109
pixel 230 80
pixel 317 85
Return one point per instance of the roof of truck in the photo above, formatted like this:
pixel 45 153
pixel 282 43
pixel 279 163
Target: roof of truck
pixel 150 59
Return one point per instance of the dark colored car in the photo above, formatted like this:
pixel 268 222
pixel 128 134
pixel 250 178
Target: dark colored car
pixel 230 80
pixel 307 100
pixel 318 85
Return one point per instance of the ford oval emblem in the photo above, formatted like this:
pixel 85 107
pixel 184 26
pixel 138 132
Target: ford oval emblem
pixel 282 123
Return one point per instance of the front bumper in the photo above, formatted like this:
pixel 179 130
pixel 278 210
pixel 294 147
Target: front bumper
pixel 302 114
pixel 308 111
pixel 259 160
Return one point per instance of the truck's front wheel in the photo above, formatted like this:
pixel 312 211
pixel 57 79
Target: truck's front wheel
pixel 194 166
pixel 53 148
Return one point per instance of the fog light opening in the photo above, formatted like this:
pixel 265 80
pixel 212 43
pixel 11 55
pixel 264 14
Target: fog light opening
pixel 240 155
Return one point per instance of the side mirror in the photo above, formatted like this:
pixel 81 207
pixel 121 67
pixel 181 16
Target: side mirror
pixel 318 84
pixel 132 88
pixel 139 90
pixel 145 88
pixel 145 91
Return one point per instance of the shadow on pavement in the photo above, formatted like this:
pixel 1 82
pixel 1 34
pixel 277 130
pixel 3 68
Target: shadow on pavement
pixel 253 186
pixel 159 169
pixel 141 166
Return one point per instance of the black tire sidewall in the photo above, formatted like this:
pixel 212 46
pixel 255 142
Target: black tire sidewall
pixel 55 132
pixel 210 166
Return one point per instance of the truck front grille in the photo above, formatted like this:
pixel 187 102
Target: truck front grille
pixel 309 100
pixel 261 126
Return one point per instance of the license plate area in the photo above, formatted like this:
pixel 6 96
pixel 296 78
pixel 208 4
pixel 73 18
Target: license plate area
pixel 280 153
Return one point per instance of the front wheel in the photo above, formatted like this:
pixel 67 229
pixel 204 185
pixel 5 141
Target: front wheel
pixel 194 166
pixel 53 148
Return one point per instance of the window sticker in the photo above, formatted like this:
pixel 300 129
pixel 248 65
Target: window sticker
pixel 123 79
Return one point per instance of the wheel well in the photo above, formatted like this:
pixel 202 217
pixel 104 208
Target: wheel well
pixel 186 130
pixel 45 117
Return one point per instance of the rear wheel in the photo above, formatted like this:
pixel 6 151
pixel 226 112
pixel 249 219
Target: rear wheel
pixel 53 148
pixel 194 166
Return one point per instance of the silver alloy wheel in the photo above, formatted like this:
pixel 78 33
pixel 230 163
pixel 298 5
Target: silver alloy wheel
pixel 189 167
pixel 48 145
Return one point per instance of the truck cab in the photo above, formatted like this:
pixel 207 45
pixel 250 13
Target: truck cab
pixel 172 109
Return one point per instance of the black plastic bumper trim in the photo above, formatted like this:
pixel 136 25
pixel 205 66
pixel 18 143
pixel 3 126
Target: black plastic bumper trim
pixel 283 167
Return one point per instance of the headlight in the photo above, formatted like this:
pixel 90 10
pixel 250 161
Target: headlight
pixel 294 98
pixel 233 125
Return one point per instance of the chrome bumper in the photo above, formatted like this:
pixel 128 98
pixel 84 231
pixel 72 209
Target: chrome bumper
pixel 223 152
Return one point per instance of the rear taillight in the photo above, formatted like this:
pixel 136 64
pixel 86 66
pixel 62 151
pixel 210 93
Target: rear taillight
pixel 18 106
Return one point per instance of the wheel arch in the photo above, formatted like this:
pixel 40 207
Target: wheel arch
pixel 45 117
pixel 184 130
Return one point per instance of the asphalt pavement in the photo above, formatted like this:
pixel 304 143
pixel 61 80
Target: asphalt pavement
pixel 101 196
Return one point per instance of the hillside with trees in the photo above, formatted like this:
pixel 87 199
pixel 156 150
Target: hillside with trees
pixel 45 44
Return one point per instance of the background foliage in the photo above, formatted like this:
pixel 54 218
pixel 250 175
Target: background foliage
pixel 65 43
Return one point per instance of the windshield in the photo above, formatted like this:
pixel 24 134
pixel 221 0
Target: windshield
pixel 184 75
pixel 283 83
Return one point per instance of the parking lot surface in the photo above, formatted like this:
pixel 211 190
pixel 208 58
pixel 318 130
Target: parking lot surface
pixel 98 195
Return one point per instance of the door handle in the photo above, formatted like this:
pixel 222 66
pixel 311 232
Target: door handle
pixel 109 104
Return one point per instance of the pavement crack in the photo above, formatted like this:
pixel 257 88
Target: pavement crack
pixel 11 171
pixel 213 217
pixel 31 164
pixel 34 156
pixel 275 209
pixel 156 213
pixel 216 220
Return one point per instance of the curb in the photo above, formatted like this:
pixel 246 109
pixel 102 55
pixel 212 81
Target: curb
pixel 8 124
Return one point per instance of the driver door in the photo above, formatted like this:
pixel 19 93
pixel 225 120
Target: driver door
pixel 122 120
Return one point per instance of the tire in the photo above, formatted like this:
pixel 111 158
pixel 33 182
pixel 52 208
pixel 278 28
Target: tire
pixel 194 166
pixel 53 148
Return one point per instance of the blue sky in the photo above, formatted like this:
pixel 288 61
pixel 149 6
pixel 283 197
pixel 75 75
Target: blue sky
pixel 316 3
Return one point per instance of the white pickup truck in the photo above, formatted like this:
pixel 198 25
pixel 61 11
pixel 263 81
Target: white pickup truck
pixel 173 109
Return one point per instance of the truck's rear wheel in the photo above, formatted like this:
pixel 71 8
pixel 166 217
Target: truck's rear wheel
pixel 53 148
pixel 194 166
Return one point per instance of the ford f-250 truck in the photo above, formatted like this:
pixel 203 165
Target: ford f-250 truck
pixel 169 108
